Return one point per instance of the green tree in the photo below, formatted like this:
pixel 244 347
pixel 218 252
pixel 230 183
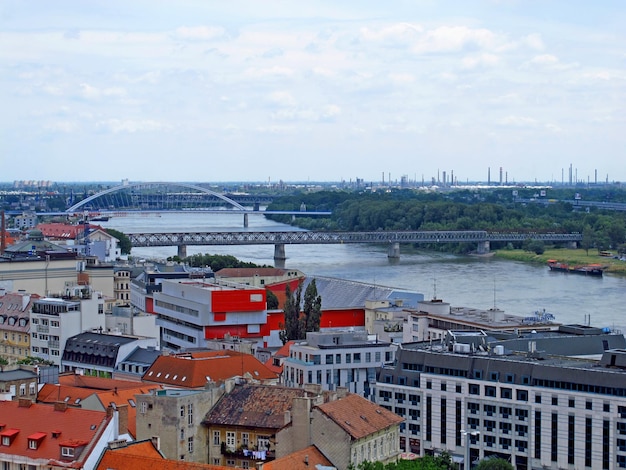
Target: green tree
pixel 3 362
pixel 494 464
pixel 312 307
pixel 125 245
pixel 272 300
pixel 588 239
pixel 290 329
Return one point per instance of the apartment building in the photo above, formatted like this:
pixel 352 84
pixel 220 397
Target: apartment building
pixel 334 359
pixel 15 324
pixel 542 400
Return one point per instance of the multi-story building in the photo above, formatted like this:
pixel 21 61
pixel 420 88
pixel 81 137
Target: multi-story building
pixel 528 397
pixel 173 418
pixel 18 382
pixel 55 319
pixel 121 283
pixel 100 354
pixel 258 277
pixel 337 359
pixel 190 313
pixel 15 325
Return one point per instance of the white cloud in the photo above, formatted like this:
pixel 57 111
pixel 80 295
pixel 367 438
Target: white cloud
pixel 199 32
pixel 479 60
pixel 282 98
pixel 445 39
pixel 92 93
pixel 131 126
pixel 62 126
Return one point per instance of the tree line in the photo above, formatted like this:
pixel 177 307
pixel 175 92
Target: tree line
pixel 491 210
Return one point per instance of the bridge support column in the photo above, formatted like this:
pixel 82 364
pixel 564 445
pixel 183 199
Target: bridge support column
pixel 279 252
pixel 245 220
pixel 257 207
pixel 394 251
pixel 572 245
pixel 483 248
pixel 182 251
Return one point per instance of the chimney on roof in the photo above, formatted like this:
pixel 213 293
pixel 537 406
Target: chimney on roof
pixel 342 392
pixel 24 403
pixel 117 444
pixel 306 460
pixel 60 406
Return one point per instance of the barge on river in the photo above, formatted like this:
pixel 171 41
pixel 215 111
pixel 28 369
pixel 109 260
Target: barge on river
pixel 586 269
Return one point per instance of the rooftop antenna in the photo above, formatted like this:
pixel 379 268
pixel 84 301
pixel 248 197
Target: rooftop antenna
pixel 435 288
pixel 494 294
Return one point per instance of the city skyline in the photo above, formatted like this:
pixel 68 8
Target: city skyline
pixel 331 91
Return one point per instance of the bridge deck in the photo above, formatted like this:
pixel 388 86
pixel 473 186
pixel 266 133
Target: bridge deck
pixel 312 237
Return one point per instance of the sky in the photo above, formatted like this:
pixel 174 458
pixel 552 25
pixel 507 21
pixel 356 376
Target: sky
pixel 270 90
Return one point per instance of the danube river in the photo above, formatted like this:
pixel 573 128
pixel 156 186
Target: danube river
pixel 514 287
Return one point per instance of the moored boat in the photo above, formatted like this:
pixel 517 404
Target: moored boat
pixel 586 269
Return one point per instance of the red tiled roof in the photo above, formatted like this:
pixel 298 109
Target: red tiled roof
pixel 280 354
pixel 144 456
pixel 196 369
pixel 126 397
pixel 95 383
pixel 358 416
pixel 306 459
pixel 75 426
pixel 61 231
pixel 74 396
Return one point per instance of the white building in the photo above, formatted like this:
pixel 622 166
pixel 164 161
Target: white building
pixel 337 359
pixel 521 397
pixel 55 319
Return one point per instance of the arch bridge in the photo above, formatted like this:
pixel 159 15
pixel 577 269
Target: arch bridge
pixel 163 196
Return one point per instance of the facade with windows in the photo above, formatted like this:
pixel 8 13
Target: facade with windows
pixel 534 409
pixel 55 319
pixel 15 325
pixel 190 313
pixel 334 359
pixel 174 417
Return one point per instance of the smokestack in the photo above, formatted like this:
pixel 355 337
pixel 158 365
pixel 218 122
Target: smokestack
pixel 3 234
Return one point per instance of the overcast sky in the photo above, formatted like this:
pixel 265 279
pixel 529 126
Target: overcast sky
pixel 267 90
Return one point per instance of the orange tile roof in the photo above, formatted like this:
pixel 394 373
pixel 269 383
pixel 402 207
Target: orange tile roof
pixel 196 369
pixel 143 455
pixel 76 426
pixel 358 416
pixel 305 459
pixel 127 397
pixel 280 354
pixel 96 383
pixel 248 272
pixel 74 396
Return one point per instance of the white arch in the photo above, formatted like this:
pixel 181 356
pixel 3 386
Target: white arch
pixel 78 205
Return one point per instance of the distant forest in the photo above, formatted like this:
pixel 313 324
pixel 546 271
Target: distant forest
pixel 491 210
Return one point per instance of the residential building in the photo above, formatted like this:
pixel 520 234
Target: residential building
pixel 135 365
pixel 128 320
pixel 197 368
pixel 121 283
pixel 18 382
pixel 100 354
pixel 55 319
pixel 552 399
pixel 334 359
pixel 173 417
pixel 37 436
pixel 253 423
pixel 15 324
pixel 190 313
pixel 351 430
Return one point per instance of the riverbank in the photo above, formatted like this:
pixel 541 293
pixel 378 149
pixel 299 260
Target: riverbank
pixel 572 257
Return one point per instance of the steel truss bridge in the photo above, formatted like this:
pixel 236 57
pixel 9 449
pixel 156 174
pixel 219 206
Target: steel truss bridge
pixel 391 238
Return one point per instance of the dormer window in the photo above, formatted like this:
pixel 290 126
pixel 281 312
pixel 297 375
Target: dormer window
pixel 9 436
pixel 34 440
pixel 67 451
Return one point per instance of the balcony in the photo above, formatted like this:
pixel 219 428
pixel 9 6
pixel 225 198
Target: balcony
pixel 243 452
pixel 43 328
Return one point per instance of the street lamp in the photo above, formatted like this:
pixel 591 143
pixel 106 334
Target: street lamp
pixel 467 465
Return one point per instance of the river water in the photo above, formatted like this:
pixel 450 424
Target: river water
pixel 514 287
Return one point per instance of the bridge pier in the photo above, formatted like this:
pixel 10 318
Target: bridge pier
pixel 394 251
pixel 257 207
pixel 182 251
pixel 279 252
pixel 483 247
pixel 572 245
pixel 245 220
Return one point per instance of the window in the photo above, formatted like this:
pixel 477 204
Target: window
pixel 182 411
pixel 190 413
pixel 555 401
pixel 190 445
pixel 490 391
pixel 538 398
pixel 357 358
pixel 67 451
pixel 329 358
pixel 589 405
pixel 522 395
pixel 230 439
pixel 506 393
pixel 571 403
pixel 337 358
pixel 474 389
pixel 216 438
pixel 245 438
